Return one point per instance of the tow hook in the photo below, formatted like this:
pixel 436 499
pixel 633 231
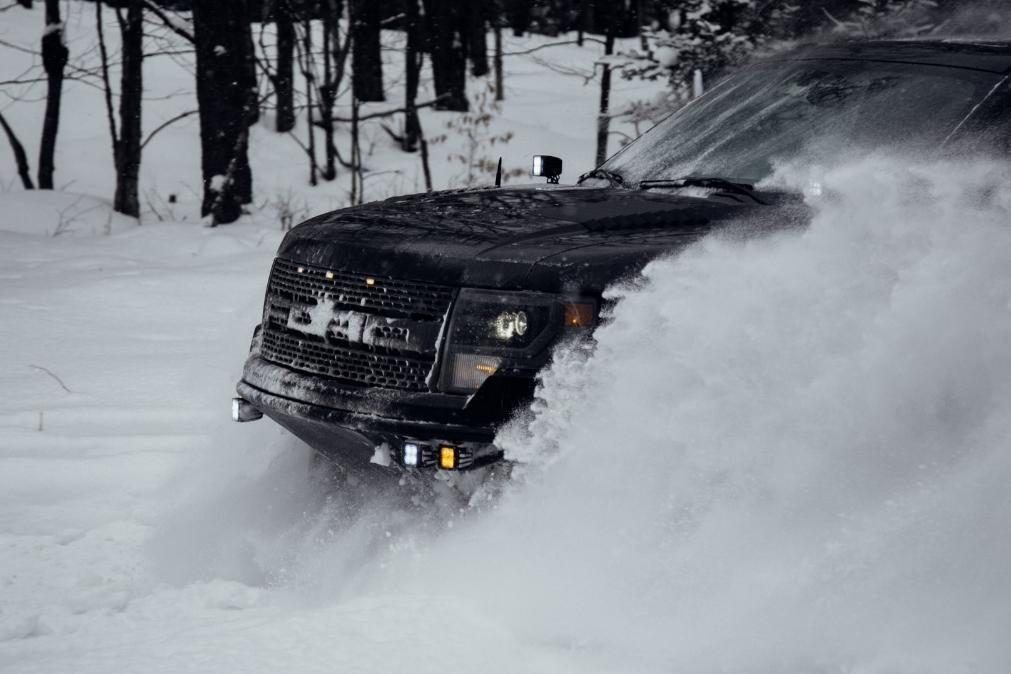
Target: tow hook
pixel 243 410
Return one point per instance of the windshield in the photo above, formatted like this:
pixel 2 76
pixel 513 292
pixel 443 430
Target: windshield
pixel 775 111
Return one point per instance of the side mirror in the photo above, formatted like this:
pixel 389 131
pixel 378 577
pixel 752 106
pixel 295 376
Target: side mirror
pixel 546 166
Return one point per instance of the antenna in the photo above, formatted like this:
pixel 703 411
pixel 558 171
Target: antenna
pixel 498 174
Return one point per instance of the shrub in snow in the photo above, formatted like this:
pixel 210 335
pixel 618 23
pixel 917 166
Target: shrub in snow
pixel 476 128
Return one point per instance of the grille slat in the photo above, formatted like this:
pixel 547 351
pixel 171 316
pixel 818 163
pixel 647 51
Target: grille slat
pixel 295 287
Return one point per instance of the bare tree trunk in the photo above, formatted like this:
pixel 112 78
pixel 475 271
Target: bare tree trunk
pixel 367 58
pixel 587 17
pixel 519 16
pixel 425 167
pixel 54 59
pixel 239 170
pixel 220 31
pixel 310 84
pixel 20 158
pixel 106 82
pixel 581 22
pixel 641 18
pixel 499 78
pixel 357 184
pixel 412 67
pixel 449 61
pixel 604 118
pixel 327 98
pixel 248 72
pixel 128 150
pixel 284 84
pixel 338 51
pixel 477 43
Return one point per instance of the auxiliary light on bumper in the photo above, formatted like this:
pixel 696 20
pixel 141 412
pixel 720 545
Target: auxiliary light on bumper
pixel 243 410
pixel 438 455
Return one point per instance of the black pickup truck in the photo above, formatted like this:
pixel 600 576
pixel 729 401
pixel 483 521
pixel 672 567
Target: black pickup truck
pixel 405 332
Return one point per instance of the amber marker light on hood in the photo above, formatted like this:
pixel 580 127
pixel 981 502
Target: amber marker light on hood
pixel 579 315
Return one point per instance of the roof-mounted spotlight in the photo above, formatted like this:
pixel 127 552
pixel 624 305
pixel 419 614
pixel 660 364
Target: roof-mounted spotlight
pixel 546 166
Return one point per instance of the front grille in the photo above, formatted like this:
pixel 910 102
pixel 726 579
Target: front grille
pixel 384 296
pixel 381 331
pixel 332 360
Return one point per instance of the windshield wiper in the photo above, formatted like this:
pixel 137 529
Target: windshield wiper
pixel 744 189
pixel 603 174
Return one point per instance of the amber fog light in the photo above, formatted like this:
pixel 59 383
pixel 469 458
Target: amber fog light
pixel 447 458
pixel 470 370
pixel 455 458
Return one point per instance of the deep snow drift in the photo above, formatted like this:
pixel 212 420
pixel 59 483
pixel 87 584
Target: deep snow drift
pixel 787 453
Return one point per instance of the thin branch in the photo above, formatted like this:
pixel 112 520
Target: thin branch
pixel 17 47
pixel 120 19
pixel 105 78
pixel 35 80
pixel 587 77
pixel 552 44
pixel 20 158
pixel 171 24
pixel 150 206
pixel 372 174
pixel 166 123
pixel 387 113
pixel 51 374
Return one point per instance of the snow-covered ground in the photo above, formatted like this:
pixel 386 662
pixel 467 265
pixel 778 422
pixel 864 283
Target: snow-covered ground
pixel 787 455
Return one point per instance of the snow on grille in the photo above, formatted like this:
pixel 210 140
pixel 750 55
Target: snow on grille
pixel 296 289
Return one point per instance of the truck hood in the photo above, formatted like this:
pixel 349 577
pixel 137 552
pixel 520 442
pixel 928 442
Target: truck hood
pixel 549 238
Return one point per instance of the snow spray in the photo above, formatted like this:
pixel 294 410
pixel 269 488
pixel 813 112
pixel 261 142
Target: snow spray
pixel 786 453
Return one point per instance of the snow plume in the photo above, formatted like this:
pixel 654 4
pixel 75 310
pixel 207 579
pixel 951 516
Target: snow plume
pixel 786 454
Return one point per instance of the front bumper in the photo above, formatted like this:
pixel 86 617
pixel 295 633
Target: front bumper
pixel 349 422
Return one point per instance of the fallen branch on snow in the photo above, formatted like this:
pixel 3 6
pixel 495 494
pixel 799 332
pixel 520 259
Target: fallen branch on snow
pixel 51 374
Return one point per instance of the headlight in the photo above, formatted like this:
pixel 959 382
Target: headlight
pixel 497 320
pixel 490 330
pixel 510 324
